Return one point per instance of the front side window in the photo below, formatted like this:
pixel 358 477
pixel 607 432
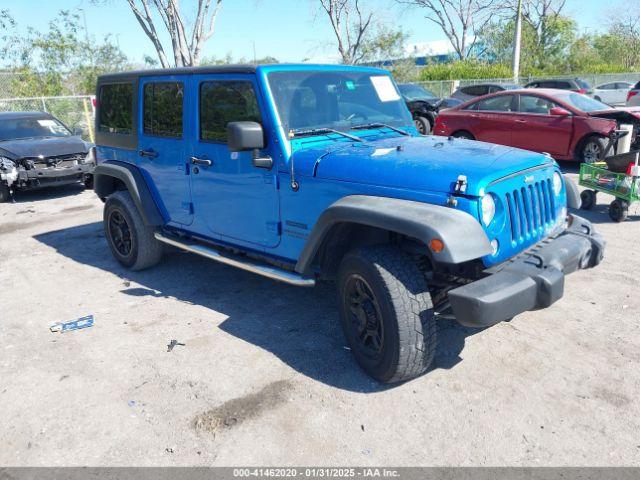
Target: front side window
pixel 502 103
pixel 226 101
pixel 163 105
pixel 115 103
pixel 536 105
pixel 336 99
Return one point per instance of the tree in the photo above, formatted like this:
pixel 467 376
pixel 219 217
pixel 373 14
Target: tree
pixel 61 60
pixel 187 48
pixel 459 20
pixel 359 34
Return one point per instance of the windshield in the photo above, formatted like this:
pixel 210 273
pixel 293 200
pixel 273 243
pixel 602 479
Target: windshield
pixel 29 127
pixel 339 100
pixel 582 102
pixel 416 92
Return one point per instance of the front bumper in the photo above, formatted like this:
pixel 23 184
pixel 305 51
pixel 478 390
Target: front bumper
pixel 530 281
pixel 42 177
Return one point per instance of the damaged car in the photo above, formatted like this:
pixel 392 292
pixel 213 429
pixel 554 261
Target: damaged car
pixel 565 124
pixel 38 150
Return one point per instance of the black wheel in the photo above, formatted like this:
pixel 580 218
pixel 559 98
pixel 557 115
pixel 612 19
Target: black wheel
pixel 130 240
pixel 5 193
pixel 588 198
pixel 619 210
pixel 423 125
pixel 463 134
pixel 88 182
pixel 386 313
pixel 592 150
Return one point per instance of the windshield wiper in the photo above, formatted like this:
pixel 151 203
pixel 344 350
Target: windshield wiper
pixel 320 131
pixel 378 125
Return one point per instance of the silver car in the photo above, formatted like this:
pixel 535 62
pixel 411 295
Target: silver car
pixel 633 97
pixel 612 93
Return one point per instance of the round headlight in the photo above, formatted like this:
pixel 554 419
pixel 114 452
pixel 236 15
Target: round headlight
pixel 488 208
pixel 557 183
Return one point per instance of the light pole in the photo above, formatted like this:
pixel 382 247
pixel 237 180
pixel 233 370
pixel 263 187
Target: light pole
pixel 517 43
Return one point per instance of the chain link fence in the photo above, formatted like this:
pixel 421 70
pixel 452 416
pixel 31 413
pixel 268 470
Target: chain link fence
pixel 444 88
pixel 76 112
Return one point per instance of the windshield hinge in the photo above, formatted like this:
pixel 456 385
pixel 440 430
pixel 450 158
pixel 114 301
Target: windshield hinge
pixel 461 185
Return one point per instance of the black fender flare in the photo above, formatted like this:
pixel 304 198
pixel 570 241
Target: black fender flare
pixel 104 185
pixel 573 195
pixel 462 235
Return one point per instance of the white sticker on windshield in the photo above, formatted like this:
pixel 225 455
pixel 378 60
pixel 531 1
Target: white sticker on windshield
pixel 385 89
pixel 47 123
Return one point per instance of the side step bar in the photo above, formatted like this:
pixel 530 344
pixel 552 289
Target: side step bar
pixel 269 271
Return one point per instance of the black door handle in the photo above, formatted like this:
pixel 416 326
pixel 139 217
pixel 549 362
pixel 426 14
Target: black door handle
pixel 151 153
pixel 201 161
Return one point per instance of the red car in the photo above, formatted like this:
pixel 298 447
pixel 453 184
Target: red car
pixel 563 123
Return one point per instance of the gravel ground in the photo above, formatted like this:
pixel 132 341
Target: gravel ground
pixel 264 378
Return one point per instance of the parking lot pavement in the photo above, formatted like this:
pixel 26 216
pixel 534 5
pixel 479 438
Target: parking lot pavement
pixel 264 377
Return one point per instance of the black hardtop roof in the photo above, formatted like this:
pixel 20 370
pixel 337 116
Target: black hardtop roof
pixel 178 71
pixel 26 114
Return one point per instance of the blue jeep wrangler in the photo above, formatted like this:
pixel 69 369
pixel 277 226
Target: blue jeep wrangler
pixel 304 173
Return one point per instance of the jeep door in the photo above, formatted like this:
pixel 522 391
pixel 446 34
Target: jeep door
pixel 232 198
pixel 162 151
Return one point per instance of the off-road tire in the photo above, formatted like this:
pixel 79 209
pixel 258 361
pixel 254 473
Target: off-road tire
pixel 588 198
pixel 144 251
pixel 619 210
pixel 423 125
pixel 408 322
pixel 5 193
pixel 588 147
pixel 464 134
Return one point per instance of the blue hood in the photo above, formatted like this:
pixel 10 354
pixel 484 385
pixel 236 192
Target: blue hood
pixel 415 163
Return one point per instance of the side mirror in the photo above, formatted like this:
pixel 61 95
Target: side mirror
pixel 244 136
pixel 78 131
pixel 559 112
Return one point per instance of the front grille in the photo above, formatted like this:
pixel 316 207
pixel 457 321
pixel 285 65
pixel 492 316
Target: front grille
pixel 531 210
pixel 59 161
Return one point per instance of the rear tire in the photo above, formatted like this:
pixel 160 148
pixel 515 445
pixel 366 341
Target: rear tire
pixel 619 210
pixel 464 135
pixel 130 240
pixel 5 193
pixel 588 198
pixel 592 149
pixel 386 313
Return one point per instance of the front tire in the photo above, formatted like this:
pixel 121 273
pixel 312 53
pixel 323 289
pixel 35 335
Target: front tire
pixel 386 313
pixel 130 240
pixel 423 125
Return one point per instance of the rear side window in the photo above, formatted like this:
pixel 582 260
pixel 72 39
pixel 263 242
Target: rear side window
pixel 163 105
pixel 222 102
pixel 116 108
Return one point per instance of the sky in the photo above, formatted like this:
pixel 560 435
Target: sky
pixel 289 30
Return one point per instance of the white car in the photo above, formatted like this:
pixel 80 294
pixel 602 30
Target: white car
pixel 613 93
pixel 633 97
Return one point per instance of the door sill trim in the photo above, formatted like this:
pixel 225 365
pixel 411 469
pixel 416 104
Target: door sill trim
pixel 237 261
